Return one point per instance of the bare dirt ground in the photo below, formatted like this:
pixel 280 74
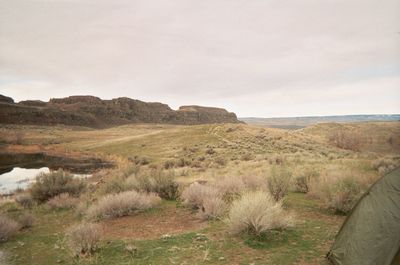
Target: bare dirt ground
pixel 153 225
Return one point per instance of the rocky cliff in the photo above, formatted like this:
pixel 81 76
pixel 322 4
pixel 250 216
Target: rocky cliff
pixel 94 112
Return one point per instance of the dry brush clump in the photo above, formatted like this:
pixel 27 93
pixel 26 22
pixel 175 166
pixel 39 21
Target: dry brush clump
pixel 25 200
pixel 157 181
pixel 62 201
pixel 122 204
pixel 83 239
pixel 8 228
pixel 339 192
pixel 257 212
pixel 278 182
pixel 194 195
pixel 385 165
pixel 206 199
pixel 303 179
pixel 54 183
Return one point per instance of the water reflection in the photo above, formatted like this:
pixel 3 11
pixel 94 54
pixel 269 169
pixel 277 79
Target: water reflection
pixel 23 177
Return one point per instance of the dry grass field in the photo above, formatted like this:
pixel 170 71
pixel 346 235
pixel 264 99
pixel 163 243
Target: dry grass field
pixel 194 194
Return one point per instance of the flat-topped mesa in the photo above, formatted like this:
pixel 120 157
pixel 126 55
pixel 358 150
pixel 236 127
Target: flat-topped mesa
pixel 203 109
pixel 76 99
pixel 92 111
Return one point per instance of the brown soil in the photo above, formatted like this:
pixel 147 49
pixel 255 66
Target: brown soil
pixel 152 225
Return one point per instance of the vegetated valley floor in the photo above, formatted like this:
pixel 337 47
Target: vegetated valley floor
pixel 206 153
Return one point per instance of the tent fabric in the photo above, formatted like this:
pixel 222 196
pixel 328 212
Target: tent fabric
pixel 370 235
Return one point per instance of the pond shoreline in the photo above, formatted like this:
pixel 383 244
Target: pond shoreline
pixel 84 164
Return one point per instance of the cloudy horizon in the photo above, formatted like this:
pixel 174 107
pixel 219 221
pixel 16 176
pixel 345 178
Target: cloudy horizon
pixel 255 58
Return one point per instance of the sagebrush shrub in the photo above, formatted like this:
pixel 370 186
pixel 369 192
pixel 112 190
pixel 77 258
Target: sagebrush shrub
pixel 62 201
pixel 302 182
pixel 84 238
pixel 257 212
pixel 54 183
pixel 343 195
pixel 25 200
pixel 279 181
pixel 122 204
pixel 195 194
pixel 213 207
pixel 385 165
pixel 157 181
pixel 8 228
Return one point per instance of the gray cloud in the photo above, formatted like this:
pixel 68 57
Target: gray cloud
pixel 257 58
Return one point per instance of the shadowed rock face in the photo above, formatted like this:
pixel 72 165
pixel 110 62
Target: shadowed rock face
pixel 94 112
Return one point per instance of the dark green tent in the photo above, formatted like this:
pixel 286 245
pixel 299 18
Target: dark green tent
pixel 370 235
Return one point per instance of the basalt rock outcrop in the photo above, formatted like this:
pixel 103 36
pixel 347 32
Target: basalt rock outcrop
pixel 92 111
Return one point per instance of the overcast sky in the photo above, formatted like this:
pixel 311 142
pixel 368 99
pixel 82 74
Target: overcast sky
pixel 262 58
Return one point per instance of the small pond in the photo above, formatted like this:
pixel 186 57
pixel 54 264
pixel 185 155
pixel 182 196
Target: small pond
pixel 20 170
pixel 21 178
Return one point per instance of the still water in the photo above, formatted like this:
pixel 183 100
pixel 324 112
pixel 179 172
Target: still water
pixel 22 177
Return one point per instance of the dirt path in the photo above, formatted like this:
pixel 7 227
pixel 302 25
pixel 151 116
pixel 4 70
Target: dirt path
pixel 121 139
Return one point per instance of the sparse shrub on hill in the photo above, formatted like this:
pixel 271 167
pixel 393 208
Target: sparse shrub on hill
pixel 276 160
pixel 279 181
pixel 210 151
pixel 255 213
pixel 346 140
pixel 169 164
pixel 122 204
pixel 62 201
pixel 301 182
pixel 54 183
pixel 25 200
pixel 8 228
pixel 83 239
pixel 247 157
pixel 220 161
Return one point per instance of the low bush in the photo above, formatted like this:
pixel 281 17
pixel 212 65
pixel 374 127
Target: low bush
pixel 194 195
pixel 342 195
pixel 54 183
pixel 213 207
pixel 220 161
pixel 157 181
pixel 385 165
pixel 26 220
pixel 278 182
pixel 8 228
pixel 229 187
pixel 62 201
pixel 169 164
pixel 83 239
pixel 301 182
pixel 122 204
pixel 257 212
pixel 25 200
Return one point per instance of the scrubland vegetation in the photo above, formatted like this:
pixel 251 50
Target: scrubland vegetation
pixel 207 194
